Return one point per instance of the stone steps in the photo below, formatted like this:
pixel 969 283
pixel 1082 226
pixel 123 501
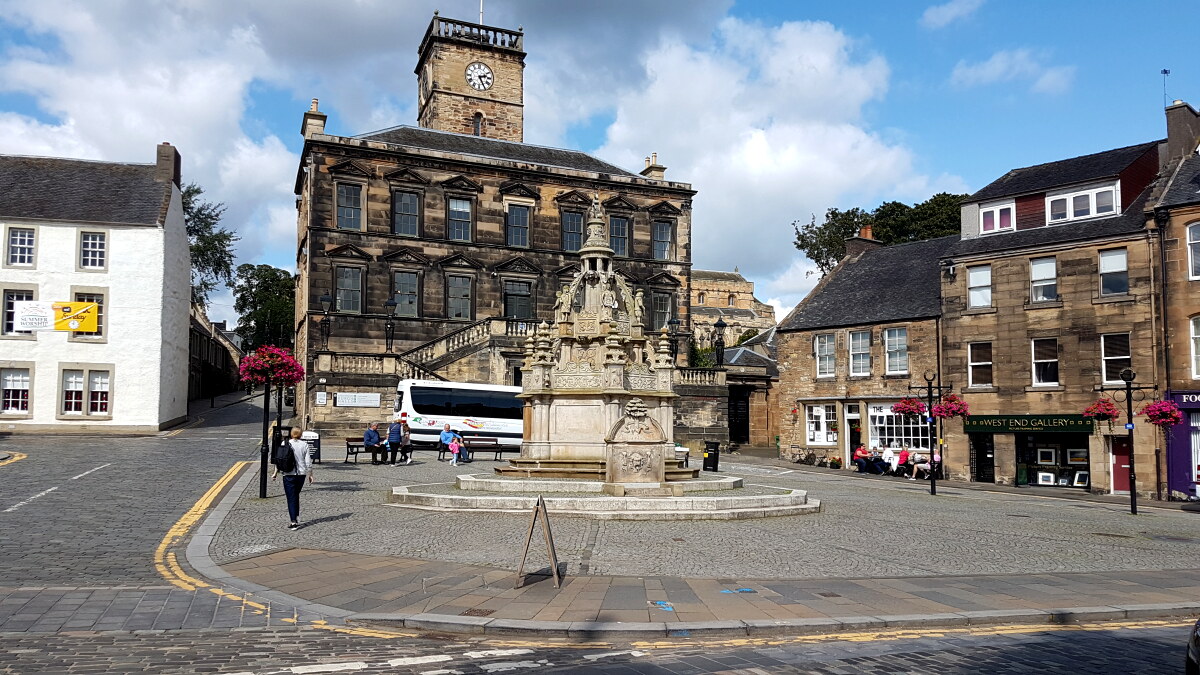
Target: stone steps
pixel 591 469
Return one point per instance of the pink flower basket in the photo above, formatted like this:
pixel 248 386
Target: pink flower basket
pixel 1103 410
pixel 951 406
pixel 908 406
pixel 271 364
pixel 1162 413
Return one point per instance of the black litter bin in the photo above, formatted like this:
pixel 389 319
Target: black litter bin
pixel 712 455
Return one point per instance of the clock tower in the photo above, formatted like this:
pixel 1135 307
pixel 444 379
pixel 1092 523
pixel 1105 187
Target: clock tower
pixel 470 79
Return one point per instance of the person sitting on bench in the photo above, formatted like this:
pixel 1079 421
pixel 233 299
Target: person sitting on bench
pixel 374 444
pixel 444 440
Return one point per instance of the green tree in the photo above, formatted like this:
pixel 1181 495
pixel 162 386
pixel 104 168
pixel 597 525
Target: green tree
pixel 265 298
pixel 701 357
pixel 891 223
pixel 746 335
pixel 211 245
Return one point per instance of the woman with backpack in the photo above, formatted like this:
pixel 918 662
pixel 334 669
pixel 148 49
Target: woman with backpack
pixel 292 460
pixel 396 440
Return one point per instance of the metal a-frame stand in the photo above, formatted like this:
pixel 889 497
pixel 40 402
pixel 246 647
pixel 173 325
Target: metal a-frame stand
pixel 539 507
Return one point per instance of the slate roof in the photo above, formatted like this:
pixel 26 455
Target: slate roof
pixel 1043 177
pixel 1132 220
pixel 890 283
pixel 1185 185
pixel 76 190
pixel 725 312
pixel 741 356
pixel 464 144
pixel 711 275
pixel 767 337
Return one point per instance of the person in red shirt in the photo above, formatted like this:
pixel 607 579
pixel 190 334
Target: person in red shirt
pixel 902 461
pixel 861 457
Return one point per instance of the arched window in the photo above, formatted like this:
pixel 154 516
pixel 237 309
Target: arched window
pixel 477 121
pixel 732 299
pixel 700 299
pixel 1196 347
pixel 1193 232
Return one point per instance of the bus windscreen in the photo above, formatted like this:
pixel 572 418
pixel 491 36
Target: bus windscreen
pixel 436 401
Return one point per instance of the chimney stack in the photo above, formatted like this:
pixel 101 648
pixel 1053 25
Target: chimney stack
pixel 1183 130
pixel 167 164
pixel 314 121
pixel 863 242
pixel 654 170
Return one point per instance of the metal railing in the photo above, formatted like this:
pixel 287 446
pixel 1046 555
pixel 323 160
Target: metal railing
pixel 464 30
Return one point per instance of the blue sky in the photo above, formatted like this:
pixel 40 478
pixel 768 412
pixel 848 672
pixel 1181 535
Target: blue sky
pixel 774 111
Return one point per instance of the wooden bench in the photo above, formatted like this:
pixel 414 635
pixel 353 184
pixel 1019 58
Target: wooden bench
pixel 354 445
pixel 487 443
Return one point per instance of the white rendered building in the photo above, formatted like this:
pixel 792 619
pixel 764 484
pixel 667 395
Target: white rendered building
pixel 105 232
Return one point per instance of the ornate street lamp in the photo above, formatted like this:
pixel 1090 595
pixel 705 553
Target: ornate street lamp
pixel 719 342
pixel 1128 376
pixel 326 304
pixel 932 390
pixel 389 329
pixel 673 331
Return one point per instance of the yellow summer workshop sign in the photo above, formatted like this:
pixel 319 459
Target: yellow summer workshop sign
pixel 37 315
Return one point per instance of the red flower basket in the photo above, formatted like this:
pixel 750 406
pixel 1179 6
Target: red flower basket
pixel 951 406
pixel 908 406
pixel 1162 413
pixel 1103 410
pixel 271 364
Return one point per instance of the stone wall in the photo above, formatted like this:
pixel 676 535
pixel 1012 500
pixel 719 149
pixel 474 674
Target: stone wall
pixel 451 103
pixel 701 414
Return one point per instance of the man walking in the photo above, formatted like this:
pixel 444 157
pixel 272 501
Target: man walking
pixel 373 443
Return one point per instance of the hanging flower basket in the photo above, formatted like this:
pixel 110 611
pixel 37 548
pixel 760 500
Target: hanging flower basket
pixel 271 364
pixel 1103 410
pixel 951 406
pixel 1162 413
pixel 908 406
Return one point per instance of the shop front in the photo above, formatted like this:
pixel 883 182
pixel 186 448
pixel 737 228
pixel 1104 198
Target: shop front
pixel 1183 447
pixel 1048 450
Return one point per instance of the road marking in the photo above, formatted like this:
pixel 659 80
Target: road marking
pixel 89 471
pixel 497 652
pixel 505 666
pixel 418 660
pixel 329 667
pixel 605 655
pixel 15 457
pixel 194 423
pixel 18 505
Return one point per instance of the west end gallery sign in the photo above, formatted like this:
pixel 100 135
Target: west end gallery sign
pixel 1006 424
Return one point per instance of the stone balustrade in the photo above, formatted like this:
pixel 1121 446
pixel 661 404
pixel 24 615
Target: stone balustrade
pixel 700 376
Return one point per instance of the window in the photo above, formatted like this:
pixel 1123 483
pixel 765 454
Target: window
pixel 1043 280
pixel 1045 361
pixel 1196 348
pixel 572 230
pixel 1114 352
pixel 406 213
pixel 896 342
pixel 822 424
pixel 1114 272
pixel 97 298
pixel 1078 204
pixel 979 364
pixel 888 429
pixel 660 304
pixel 91 250
pixel 98 392
pixel 516 226
pixel 349 206
pixel 700 299
pixel 14 390
pixel 72 390
pixel 405 291
pixel 618 235
pixel 10 311
pixel 979 286
pixel 732 300
pixel 458 219
pixel 996 217
pixel 1194 250
pixel 823 349
pixel 349 290
pixel 20 246
pixel 663 235
pixel 518 299
pixel 458 297
pixel 860 352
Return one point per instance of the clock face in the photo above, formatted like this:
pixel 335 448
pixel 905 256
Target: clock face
pixel 479 76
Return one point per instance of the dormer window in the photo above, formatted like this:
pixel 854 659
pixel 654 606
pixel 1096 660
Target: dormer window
pixel 997 217
pixel 1093 202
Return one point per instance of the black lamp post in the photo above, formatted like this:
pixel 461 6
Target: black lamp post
pixel 673 331
pixel 389 329
pixel 719 341
pixel 326 304
pixel 1127 376
pixel 930 391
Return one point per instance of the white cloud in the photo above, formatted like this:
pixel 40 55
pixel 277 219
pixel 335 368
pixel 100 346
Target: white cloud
pixel 940 16
pixel 765 125
pixel 1015 65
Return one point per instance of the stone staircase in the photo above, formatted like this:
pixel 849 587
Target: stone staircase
pixel 438 353
pixel 591 469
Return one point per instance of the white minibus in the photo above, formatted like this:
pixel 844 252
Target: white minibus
pixel 484 410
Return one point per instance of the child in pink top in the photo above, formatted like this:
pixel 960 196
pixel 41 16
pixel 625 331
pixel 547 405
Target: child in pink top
pixel 454 448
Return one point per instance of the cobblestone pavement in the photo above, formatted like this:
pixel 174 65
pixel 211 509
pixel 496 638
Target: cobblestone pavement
pixel 1093 649
pixel 878 527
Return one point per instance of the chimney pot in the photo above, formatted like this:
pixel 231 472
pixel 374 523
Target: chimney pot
pixel 866 232
pixel 313 107
pixel 647 162
pixel 654 158
pixel 1177 101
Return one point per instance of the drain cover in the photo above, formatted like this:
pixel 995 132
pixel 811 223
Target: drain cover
pixel 478 612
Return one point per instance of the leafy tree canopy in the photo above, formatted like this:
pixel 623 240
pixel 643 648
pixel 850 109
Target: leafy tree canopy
pixel 211 245
pixel 891 222
pixel 264 297
pixel 746 335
